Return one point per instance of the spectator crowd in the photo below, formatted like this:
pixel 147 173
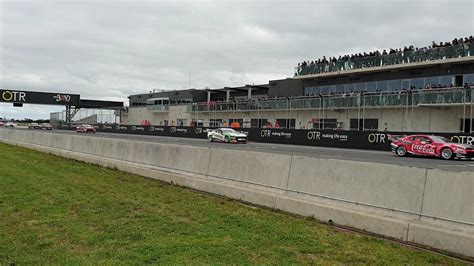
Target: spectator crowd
pixel 392 56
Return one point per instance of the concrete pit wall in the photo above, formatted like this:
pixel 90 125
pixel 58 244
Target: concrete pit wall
pixel 424 206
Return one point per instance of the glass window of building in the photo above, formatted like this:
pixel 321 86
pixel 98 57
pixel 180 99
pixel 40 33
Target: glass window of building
pixel 370 124
pixel 340 88
pixel 354 124
pixel 446 80
pixel 469 78
pixel 405 83
pixel 394 84
pixel 431 81
pixel 324 90
pixel 382 85
pixel 418 83
pixel 360 87
pixel 349 87
pixel 371 86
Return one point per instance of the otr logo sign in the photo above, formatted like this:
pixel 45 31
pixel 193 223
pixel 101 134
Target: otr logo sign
pixel 13 96
pixel 265 133
pixel 376 138
pixel 463 139
pixel 313 135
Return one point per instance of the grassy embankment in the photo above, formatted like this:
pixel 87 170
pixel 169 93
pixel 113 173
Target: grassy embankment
pixel 55 210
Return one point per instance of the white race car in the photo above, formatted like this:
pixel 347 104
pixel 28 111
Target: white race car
pixel 10 124
pixel 227 135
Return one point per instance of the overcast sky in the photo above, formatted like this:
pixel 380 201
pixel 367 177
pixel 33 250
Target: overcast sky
pixel 108 50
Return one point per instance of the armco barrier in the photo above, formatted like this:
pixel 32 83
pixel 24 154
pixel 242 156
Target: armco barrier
pixel 369 140
pixel 425 206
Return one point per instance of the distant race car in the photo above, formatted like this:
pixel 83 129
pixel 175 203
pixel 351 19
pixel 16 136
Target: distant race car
pixel 227 135
pixel 85 128
pixel 33 126
pixel 2 124
pixel 10 124
pixel 46 126
pixel 436 146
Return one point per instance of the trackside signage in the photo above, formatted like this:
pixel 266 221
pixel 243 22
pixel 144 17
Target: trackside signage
pixel 367 140
pixel 34 97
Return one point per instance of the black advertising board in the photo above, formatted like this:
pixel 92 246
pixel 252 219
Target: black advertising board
pixel 15 96
pixel 367 140
pixel 185 132
pixel 325 138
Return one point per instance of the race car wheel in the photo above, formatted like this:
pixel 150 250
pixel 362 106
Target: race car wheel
pixel 401 151
pixel 227 139
pixel 446 153
pixel 210 139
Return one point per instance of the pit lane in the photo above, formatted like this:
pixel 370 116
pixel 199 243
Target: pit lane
pixel 384 157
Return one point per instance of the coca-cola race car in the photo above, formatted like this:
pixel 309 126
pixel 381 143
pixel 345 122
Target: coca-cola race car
pixel 227 135
pixel 436 146
pixel 85 128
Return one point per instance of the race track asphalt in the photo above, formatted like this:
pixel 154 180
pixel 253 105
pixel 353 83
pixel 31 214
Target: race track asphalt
pixel 383 157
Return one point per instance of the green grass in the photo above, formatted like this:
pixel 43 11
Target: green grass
pixel 55 210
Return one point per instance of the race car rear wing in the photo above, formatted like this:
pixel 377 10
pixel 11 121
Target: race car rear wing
pixel 395 137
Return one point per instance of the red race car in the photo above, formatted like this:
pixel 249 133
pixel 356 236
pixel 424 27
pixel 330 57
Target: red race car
pixel 85 128
pixel 436 146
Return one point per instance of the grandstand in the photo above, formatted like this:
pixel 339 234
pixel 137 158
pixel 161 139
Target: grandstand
pixel 430 89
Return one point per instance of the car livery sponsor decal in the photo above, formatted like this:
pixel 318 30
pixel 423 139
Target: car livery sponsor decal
pixel 424 148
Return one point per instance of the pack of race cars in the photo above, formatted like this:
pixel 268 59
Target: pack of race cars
pixel 416 145
pixel 43 126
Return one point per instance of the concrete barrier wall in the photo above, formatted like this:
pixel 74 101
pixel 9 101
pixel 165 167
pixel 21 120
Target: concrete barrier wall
pixel 407 203
pixel 449 194
pixel 392 187
pixel 270 170
pixel 177 157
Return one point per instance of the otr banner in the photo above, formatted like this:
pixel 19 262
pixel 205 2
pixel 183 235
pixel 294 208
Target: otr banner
pixel 368 140
pixel 34 97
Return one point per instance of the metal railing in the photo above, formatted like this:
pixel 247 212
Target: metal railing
pixel 158 108
pixel 380 100
pixel 456 51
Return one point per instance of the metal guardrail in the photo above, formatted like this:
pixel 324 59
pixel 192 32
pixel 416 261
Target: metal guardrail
pixel 443 97
pixel 158 108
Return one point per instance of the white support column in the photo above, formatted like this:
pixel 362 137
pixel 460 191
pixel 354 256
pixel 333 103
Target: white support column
pixel 249 93
pixel 227 95
pixel 208 96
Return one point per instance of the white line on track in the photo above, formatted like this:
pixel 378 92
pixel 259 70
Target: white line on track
pixel 452 165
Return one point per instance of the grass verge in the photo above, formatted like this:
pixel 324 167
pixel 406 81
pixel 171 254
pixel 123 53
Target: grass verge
pixel 54 210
